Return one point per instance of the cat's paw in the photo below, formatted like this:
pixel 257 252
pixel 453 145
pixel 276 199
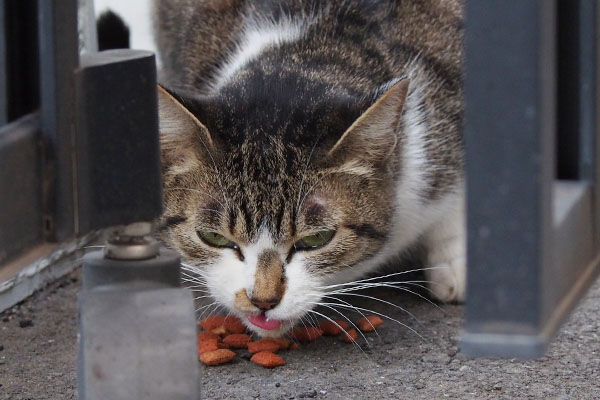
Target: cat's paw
pixel 447 262
pixel 448 279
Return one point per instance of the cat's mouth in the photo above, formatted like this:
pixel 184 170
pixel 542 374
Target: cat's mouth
pixel 263 322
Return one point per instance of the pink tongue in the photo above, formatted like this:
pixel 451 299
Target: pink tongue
pixel 263 322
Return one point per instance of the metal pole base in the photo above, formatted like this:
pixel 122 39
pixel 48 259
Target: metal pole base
pixel 137 340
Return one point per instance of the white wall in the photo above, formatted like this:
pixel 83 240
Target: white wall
pixel 136 13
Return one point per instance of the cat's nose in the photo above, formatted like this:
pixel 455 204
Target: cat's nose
pixel 264 304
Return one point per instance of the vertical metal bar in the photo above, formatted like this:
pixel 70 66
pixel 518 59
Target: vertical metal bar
pixel 59 56
pixel 589 90
pixel 21 216
pixel 596 120
pixel 568 89
pixel 21 68
pixel 118 166
pixel 509 134
pixel 3 67
pixel 577 41
pixel 586 80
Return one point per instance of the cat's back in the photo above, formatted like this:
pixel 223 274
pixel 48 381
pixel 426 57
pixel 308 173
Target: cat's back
pixel 196 38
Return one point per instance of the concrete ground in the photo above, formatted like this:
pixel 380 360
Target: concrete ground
pixel 38 354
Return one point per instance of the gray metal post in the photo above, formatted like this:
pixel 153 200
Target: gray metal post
pixel 137 336
pixel 59 56
pixel 137 327
pixel 531 249
pixel 3 68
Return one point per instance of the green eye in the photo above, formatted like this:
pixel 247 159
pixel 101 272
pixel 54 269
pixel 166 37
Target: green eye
pixel 215 239
pixel 314 241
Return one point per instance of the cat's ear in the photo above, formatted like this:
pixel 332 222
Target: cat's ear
pixel 176 121
pixel 373 136
pixel 182 135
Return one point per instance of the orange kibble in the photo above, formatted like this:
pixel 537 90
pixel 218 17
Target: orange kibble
pixel 351 336
pixel 207 345
pixel 220 330
pixel 237 340
pixel 214 322
pixel 216 357
pixel 263 345
pixel 234 325
pixel 267 359
pixel 333 328
pixel 223 345
pixel 345 325
pixel 294 346
pixel 283 343
pixel 306 334
pixel 369 323
pixel 207 335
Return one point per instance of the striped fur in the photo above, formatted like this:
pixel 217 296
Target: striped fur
pixel 286 118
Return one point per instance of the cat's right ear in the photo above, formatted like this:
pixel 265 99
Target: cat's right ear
pixel 177 123
pixel 185 142
pixel 372 138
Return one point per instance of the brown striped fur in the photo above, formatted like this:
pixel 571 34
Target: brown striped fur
pixel 307 136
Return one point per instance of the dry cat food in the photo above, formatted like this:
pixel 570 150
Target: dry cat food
pixel 267 359
pixel 306 333
pixel 211 323
pixel 207 345
pixel 284 344
pixel 351 335
pixel 333 328
pixel 263 345
pixel 369 323
pixel 217 357
pixel 207 335
pixel 237 340
pixel 220 334
pixel 234 325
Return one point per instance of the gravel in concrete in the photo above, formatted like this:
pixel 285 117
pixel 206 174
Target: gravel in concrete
pixel 38 355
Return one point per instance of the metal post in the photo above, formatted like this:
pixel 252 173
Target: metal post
pixel 509 134
pixel 59 57
pixel 531 239
pixel 137 327
pixel 118 161
pixel 3 67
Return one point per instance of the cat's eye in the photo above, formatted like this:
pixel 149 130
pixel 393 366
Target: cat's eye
pixel 314 241
pixel 215 239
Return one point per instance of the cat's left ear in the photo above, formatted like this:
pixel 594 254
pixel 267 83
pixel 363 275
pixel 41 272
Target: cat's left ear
pixel 176 122
pixel 185 142
pixel 373 136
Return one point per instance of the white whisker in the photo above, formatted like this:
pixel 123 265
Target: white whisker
pixel 382 301
pixel 348 319
pixel 356 310
pixel 393 286
pixel 343 330
pixel 201 297
pixel 377 313
pixel 381 277
pixel 200 308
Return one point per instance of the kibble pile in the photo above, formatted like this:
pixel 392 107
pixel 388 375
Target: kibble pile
pixel 220 335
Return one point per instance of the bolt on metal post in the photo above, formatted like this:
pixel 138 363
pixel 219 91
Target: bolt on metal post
pixel 131 242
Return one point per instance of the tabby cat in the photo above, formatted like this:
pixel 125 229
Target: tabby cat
pixel 306 143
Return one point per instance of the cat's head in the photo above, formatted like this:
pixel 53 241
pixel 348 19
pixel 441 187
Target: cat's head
pixel 270 204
